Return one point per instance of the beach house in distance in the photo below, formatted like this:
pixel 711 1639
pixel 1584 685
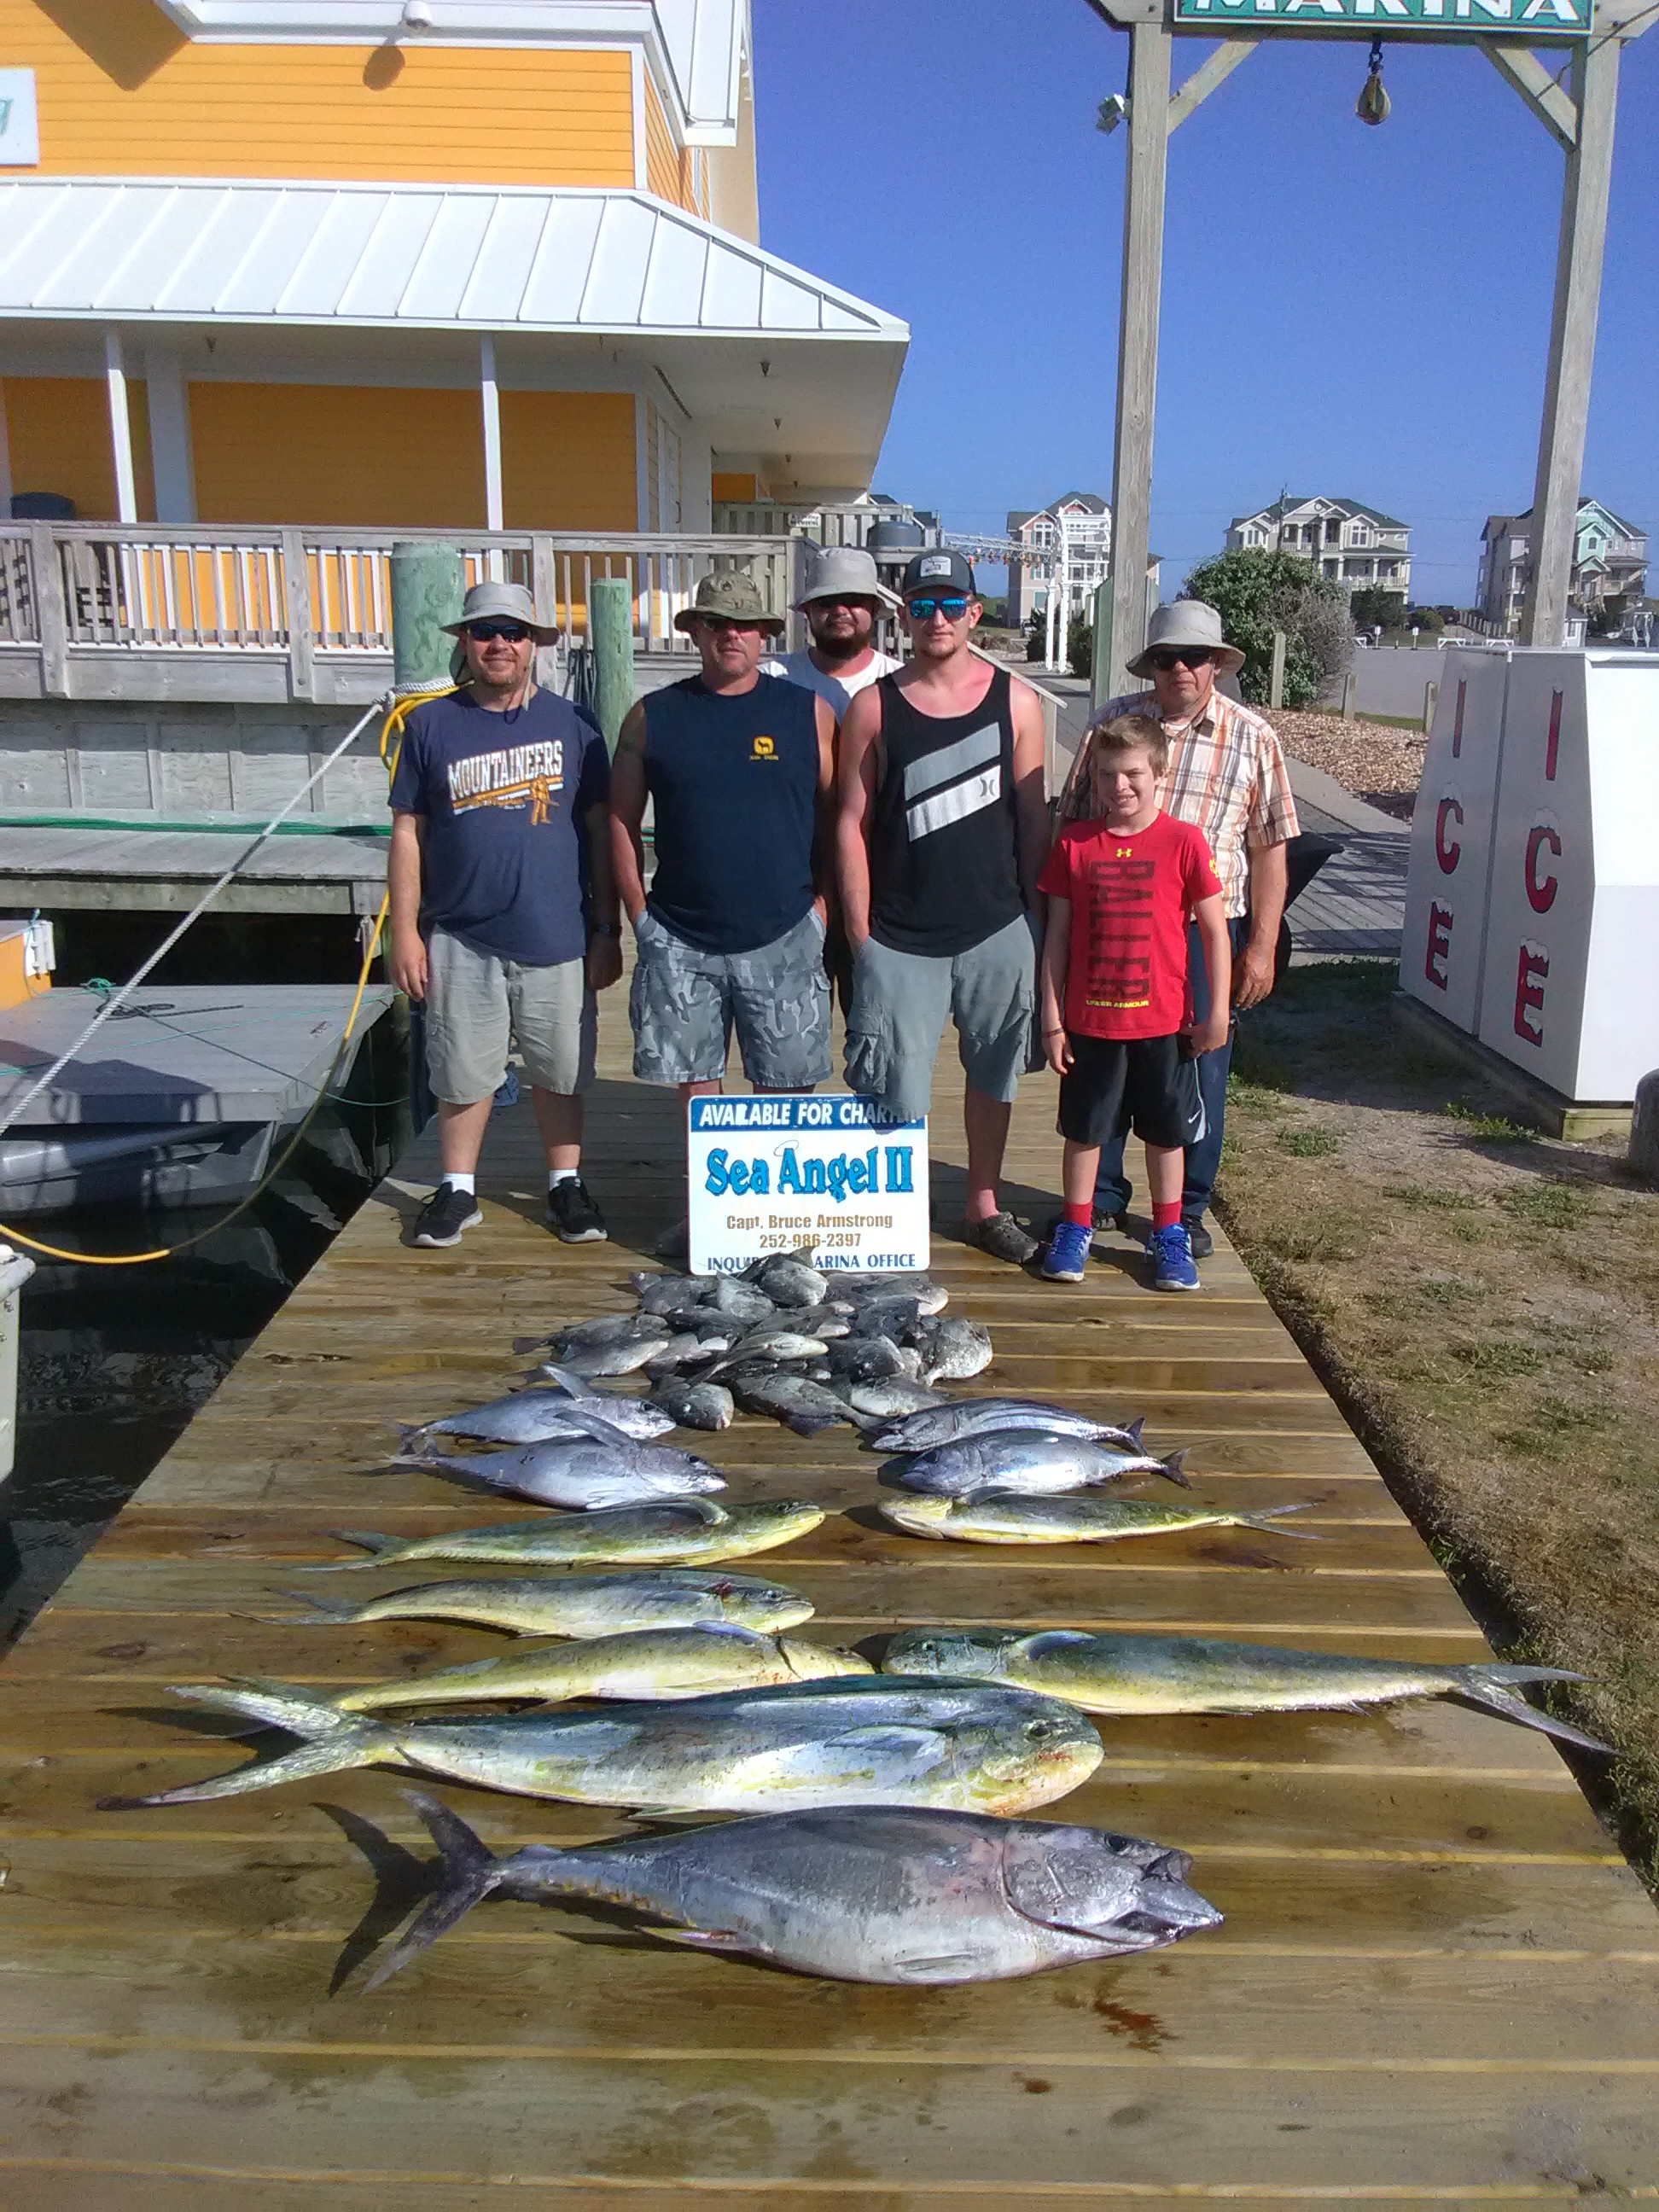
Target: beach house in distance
pixel 1355 546
pixel 480 264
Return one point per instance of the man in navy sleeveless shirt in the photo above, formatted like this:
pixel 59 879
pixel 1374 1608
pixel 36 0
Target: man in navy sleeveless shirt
pixel 942 831
pixel 739 768
pixel 503 918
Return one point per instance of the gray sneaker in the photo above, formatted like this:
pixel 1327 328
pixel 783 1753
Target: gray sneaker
pixel 1002 1235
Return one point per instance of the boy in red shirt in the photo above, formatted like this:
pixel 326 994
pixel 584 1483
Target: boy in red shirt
pixel 1121 887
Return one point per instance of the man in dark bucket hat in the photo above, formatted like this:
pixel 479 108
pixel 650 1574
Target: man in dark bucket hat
pixel 503 919
pixel 739 768
pixel 1226 776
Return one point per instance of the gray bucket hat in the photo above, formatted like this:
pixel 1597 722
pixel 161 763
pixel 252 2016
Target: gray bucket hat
pixel 1192 623
pixel 502 603
pixel 845 571
pixel 729 596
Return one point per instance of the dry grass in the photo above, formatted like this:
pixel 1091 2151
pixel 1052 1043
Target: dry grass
pixel 1484 1303
pixel 1381 765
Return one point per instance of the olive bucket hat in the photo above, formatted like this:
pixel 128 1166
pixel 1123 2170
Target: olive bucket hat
pixel 729 597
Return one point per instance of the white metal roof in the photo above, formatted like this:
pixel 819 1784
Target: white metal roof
pixel 400 256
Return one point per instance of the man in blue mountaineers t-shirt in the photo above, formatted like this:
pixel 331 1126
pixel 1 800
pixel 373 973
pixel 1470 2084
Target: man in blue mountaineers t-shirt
pixel 503 920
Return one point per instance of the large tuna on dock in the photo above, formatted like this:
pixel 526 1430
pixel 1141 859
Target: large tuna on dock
pixel 868 1741
pixel 886 1895
pixel 584 1476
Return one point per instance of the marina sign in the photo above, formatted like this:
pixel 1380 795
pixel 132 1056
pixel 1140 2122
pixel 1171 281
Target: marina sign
pixel 779 1170
pixel 1499 19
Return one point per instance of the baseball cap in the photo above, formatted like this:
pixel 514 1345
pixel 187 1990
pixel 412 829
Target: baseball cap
pixel 936 570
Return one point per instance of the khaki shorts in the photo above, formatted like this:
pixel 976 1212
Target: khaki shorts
pixel 478 1005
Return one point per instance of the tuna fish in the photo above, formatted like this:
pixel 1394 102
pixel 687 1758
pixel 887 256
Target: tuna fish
pixel 866 1741
pixel 530 1417
pixel 648 1662
pixel 577 1605
pixel 990 1518
pixel 1026 1462
pixel 890 1894
pixel 1124 1674
pixel 961 1417
pixel 585 1475
pixel 691 1531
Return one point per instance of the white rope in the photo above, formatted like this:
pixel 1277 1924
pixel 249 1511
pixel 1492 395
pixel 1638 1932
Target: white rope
pixel 117 999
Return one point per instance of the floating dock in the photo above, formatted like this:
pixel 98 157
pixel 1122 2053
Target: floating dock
pixel 1436 1983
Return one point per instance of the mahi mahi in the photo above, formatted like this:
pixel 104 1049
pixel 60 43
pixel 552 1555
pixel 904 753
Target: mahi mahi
pixel 648 1662
pixel 973 1747
pixel 889 1894
pixel 992 1518
pixel 577 1605
pixel 689 1531
pixel 1125 1674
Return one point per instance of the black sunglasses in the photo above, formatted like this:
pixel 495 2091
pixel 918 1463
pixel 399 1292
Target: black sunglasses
pixel 514 633
pixel 718 623
pixel 924 610
pixel 1186 656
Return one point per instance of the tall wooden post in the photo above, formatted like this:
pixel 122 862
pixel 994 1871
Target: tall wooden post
pixel 1595 84
pixel 1137 340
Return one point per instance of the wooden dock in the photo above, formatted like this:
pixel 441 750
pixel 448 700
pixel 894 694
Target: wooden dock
pixel 1436 1983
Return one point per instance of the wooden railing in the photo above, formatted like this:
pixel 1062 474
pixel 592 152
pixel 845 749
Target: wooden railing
pixel 71 589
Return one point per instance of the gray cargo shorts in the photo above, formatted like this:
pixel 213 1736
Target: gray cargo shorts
pixel 685 1004
pixel 900 1002
pixel 476 1004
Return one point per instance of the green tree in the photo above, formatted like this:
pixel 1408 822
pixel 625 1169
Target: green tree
pixel 1375 609
pixel 1080 646
pixel 1036 634
pixel 1428 618
pixel 1256 592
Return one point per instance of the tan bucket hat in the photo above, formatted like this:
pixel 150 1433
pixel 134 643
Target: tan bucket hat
pixel 1189 623
pixel 502 603
pixel 728 595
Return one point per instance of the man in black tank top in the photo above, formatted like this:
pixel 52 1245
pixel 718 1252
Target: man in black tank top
pixel 942 831
pixel 740 771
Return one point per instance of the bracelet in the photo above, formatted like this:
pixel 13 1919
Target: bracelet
pixel 1059 1032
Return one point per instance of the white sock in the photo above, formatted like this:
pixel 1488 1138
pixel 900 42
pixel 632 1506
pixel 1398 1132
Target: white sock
pixel 557 1175
pixel 469 1183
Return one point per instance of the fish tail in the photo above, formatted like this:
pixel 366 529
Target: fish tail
pixel 335 1741
pixel 383 1551
pixel 1174 1467
pixel 1268 1518
pixel 467 1874
pixel 1490 1687
pixel 1133 1429
pixel 325 1611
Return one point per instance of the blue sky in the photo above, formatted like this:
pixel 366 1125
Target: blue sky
pixel 1363 312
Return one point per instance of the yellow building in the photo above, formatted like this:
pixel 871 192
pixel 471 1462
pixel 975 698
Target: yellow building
pixel 408 263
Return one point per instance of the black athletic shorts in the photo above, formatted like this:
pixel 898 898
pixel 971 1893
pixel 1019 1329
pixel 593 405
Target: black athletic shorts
pixel 1146 1084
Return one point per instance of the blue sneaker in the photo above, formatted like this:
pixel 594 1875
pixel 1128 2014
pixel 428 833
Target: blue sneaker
pixel 1170 1251
pixel 1067 1254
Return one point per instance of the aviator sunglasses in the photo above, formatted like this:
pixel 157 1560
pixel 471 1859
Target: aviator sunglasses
pixel 1187 656
pixel 924 610
pixel 514 633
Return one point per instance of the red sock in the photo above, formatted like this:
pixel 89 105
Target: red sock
pixel 1081 1216
pixel 1165 1217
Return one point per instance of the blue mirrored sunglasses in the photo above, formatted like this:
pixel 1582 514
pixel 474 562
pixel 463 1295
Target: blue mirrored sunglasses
pixel 924 610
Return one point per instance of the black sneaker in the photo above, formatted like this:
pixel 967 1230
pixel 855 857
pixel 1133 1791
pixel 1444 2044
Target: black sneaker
pixel 1198 1236
pixel 1002 1235
pixel 445 1213
pixel 1105 1220
pixel 572 1214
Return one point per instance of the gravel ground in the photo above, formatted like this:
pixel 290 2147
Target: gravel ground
pixel 1380 765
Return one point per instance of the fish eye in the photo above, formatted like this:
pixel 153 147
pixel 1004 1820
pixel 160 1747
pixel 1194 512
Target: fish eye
pixel 1039 1729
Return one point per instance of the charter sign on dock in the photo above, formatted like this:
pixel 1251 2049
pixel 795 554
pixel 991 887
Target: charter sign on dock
pixel 780 1170
pixel 1501 18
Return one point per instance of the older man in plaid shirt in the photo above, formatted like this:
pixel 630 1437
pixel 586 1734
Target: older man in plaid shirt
pixel 1227 776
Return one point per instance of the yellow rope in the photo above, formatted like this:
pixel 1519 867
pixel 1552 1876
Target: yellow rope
pixel 392 726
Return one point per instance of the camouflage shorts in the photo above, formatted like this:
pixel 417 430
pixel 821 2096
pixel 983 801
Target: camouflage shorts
pixel 685 1003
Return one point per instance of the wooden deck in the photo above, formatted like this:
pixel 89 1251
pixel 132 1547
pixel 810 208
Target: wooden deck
pixel 1437 1981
